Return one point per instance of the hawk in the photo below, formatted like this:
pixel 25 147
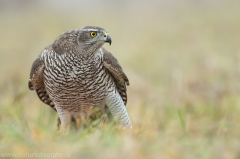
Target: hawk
pixel 75 74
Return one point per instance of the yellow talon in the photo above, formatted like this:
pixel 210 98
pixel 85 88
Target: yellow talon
pixel 78 121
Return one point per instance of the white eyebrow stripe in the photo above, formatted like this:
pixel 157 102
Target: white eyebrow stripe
pixel 89 29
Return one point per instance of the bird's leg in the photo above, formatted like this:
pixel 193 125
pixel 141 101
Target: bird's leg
pixel 104 118
pixel 95 112
pixel 79 119
pixel 118 109
pixel 102 106
pixel 65 119
pixel 58 123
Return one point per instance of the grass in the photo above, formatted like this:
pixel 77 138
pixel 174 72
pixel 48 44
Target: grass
pixel 183 64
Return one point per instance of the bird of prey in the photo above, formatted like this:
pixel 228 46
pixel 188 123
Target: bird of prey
pixel 75 74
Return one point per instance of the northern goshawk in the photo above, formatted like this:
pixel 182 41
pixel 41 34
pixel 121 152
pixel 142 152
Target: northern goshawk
pixel 75 74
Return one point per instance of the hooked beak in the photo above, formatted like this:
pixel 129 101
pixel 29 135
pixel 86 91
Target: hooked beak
pixel 108 39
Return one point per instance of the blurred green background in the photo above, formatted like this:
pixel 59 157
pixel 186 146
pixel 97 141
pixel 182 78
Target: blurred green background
pixel 182 59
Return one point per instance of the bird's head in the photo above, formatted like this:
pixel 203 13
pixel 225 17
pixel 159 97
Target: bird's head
pixel 93 35
pixel 83 41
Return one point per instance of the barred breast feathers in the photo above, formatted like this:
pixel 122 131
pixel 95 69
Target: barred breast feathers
pixel 105 58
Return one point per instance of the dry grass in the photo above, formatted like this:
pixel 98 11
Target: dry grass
pixel 182 60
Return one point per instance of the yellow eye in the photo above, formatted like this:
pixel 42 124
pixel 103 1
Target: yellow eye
pixel 93 34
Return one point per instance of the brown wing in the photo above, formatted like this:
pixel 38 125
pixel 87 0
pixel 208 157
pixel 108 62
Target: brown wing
pixel 120 78
pixel 35 82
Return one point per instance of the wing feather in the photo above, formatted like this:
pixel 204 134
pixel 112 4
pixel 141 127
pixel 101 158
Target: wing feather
pixel 120 78
pixel 36 82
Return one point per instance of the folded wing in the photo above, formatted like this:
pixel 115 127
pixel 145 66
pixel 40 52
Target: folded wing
pixel 36 82
pixel 120 78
